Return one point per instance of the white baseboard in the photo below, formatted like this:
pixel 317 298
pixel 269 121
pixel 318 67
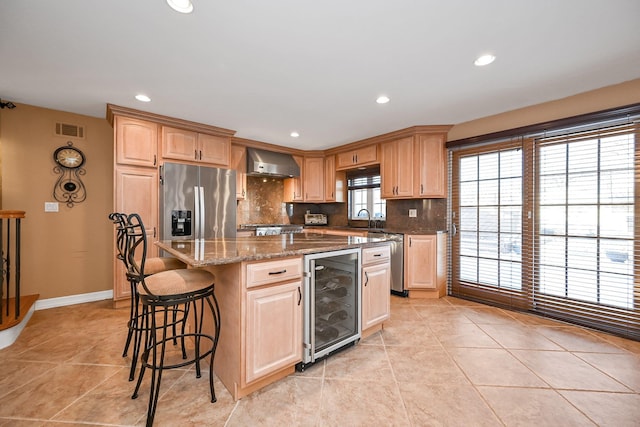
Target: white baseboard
pixel 73 299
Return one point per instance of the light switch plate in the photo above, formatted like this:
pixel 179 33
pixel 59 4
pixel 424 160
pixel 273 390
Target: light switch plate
pixel 413 213
pixel 51 206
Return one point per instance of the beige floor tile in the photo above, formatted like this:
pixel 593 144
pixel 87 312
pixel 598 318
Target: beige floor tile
pixel 462 335
pixel 413 333
pixel 9 422
pixel 17 373
pixel 533 407
pixel 607 409
pixel 446 405
pixel 373 339
pixel 574 338
pixel 442 314
pixel 61 386
pixel 293 401
pixel 623 367
pixel 404 312
pixel 488 315
pixel 360 363
pixel 426 365
pixel 563 370
pixel 518 336
pixel 361 403
pixel 494 367
pixel 627 344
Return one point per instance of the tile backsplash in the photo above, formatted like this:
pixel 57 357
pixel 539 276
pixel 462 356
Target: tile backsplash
pixel 264 202
pixel 264 205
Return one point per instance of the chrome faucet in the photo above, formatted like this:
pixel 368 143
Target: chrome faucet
pixel 368 216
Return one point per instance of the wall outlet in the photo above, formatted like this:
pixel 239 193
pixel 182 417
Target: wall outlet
pixel 51 206
pixel 413 213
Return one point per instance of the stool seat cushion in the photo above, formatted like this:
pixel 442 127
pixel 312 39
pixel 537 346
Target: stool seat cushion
pixel 158 264
pixel 177 282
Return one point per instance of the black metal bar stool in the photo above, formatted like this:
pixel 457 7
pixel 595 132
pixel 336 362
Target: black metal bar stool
pixel 159 294
pixel 153 265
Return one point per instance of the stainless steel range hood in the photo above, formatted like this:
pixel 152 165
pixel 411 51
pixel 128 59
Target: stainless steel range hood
pixel 270 163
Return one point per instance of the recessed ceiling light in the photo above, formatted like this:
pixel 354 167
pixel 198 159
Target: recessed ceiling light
pixel 182 6
pixel 295 134
pixel 484 60
pixel 143 98
pixel 382 99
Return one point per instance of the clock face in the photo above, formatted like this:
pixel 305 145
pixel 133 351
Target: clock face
pixel 69 157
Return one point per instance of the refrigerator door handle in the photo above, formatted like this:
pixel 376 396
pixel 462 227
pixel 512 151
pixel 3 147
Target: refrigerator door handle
pixel 201 230
pixel 196 228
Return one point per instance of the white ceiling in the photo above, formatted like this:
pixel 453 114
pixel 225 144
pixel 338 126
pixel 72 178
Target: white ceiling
pixel 266 68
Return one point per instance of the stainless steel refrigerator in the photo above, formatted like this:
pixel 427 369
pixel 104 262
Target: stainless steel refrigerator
pixel 197 202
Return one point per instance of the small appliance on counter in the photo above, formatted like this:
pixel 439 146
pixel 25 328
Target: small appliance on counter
pixel 315 219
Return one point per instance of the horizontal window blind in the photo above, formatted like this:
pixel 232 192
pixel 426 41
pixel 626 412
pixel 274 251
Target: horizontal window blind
pixel 586 229
pixel 551 225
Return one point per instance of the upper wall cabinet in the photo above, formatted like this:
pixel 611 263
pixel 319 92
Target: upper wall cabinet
pixel 430 167
pixel 136 142
pixel 239 163
pixel 358 157
pixel 313 179
pixel 180 144
pixel 396 171
pixel 335 183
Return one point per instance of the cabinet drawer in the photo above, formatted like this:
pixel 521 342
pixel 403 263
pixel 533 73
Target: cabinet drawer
pixel 264 273
pixel 375 254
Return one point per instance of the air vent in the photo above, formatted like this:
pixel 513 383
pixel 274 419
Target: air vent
pixel 66 129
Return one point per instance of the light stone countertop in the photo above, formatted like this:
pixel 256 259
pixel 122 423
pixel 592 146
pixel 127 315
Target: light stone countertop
pixel 205 252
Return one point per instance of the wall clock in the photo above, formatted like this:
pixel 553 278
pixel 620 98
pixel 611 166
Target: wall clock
pixel 69 187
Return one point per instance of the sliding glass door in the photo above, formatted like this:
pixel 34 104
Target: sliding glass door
pixel 551 225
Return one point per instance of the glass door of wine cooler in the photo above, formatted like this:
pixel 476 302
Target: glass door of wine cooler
pixel 332 302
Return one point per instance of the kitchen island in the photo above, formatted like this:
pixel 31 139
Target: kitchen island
pixel 259 285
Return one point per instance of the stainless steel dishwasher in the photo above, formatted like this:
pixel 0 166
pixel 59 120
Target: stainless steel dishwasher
pixel 397 260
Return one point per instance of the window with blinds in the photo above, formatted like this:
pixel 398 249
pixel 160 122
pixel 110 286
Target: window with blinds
pixel 551 225
pixel 364 193
pixel 586 228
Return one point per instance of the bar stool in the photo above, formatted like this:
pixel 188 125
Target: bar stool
pixel 159 293
pixel 153 265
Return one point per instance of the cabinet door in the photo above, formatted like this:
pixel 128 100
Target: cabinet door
pixel 313 179
pixel 345 160
pixel 376 289
pixel 136 142
pixel 396 171
pixel 421 262
pixel 273 329
pixel 430 169
pixel 179 144
pixel 214 150
pixel 293 186
pixel 136 192
pixel 239 163
pixel 366 155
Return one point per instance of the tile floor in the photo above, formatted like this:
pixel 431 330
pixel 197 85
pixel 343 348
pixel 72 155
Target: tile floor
pixel 438 362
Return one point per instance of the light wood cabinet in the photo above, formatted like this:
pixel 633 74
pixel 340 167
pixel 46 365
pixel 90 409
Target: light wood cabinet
pixel 335 182
pixel 396 169
pixel 180 144
pixel 239 163
pixel 354 233
pixel 136 142
pixel 136 192
pixel 430 167
pixel 425 265
pixel 358 157
pixel 274 329
pixel 376 287
pixel 293 186
pixel 313 174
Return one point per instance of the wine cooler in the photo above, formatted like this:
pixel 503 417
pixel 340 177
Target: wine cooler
pixel 332 303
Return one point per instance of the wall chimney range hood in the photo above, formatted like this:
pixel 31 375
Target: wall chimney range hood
pixel 269 163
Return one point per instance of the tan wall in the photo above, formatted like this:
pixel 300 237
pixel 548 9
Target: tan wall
pixel 68 252
pixel 600 99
